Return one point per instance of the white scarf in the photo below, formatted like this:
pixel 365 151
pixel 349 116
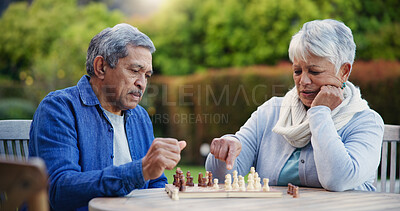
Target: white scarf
pixel 293 121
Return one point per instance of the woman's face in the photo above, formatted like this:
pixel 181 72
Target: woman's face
pixel 310 76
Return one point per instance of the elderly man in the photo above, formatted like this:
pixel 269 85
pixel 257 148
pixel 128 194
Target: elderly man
pixel 94 137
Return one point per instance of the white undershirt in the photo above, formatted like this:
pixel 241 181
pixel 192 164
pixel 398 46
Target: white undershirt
pixel 120 143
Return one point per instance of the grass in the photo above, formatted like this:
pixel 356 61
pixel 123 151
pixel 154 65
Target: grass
pixel 194 170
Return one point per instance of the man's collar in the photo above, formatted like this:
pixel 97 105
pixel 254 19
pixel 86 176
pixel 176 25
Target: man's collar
pixel 86 92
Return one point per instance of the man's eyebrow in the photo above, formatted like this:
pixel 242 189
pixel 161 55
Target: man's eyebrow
pixel 313 65
pixel 140 67
pixel 135 65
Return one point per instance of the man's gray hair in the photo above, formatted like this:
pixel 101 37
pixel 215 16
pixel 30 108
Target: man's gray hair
pixel 111 44
pixel 328 38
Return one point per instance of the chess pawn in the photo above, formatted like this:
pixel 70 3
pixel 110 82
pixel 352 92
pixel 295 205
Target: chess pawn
pixel 296 192
pixel 235 184
pixel 189 179
pixel 289 191
pixel 228 182
pixel 200 179
pixel 215 186
pixel 257 186
pixel 266 185
pixel 175 195
pixel 242 185
pixel 206 177
pixel 203 184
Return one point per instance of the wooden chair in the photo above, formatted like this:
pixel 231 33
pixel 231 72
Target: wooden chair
pixel 390 146
pixel 23 181
pixel 14 137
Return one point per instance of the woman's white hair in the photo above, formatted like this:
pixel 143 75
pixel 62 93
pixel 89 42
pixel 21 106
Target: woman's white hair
pixel 329 39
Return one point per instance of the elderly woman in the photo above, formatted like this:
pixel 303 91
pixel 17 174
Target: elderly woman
pixel 321 133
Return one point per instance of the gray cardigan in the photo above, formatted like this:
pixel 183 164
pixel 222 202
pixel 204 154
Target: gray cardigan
pixel 335 160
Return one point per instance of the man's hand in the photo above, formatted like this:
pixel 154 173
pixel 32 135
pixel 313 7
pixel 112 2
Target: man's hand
pixel 226 149
pixel 163 154
pixel 330 96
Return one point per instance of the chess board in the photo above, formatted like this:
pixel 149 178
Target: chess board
pixel 210 192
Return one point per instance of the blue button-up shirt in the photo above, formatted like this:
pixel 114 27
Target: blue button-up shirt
pixel 75 138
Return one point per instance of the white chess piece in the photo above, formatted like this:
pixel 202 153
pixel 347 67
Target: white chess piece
pixel 253 172
pixel 250 182
pixel 235 184
pixel 216 186
pixel 242 184
pixel 228 182
pixel 266 185
pixel 257 185
pixel 175 195
pixel 235 173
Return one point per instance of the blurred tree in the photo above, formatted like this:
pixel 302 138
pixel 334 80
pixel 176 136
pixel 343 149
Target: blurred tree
pixel 193 35
pixel 44 44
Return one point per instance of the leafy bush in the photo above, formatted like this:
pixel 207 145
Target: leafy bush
pixel 44 44
pixel 16 108
pixel 193 35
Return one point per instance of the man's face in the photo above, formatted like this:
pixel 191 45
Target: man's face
pixel 125 84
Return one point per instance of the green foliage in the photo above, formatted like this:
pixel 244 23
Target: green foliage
pixel 45 44
pixel 15 108
pixel 194 170
pixel 191 35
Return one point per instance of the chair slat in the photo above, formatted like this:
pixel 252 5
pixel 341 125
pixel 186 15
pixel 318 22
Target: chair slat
pixel 2 149
pixel 383 166
pixel 18 149
pixel 26 148
pixel 10 149
pixel 393 152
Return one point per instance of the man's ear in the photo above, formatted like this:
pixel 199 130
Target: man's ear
pixel 99 65
pixel 345 72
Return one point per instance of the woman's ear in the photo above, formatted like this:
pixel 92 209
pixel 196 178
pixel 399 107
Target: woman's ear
pixel 99 66
pixel 344 72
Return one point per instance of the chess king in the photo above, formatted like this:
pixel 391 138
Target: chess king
pixel 321 133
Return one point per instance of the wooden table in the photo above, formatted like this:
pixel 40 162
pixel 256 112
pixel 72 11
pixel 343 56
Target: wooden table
pixel 310 199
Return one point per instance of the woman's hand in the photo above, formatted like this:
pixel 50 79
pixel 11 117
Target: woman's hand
pixel 330 96
pixel 226 149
